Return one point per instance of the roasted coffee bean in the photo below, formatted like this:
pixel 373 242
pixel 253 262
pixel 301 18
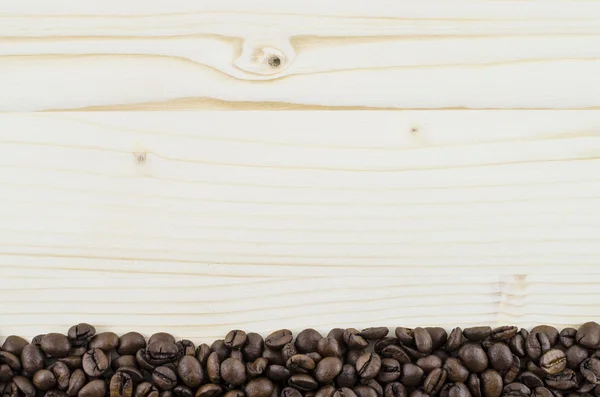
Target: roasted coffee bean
pixel 551 332
pixel 121 385
pixel 316 357
pixel 235 339
pixel 123 361
pixel 130 343
pixel 329 347
pixel 423 341
pixel 429 363
pixel 80 334
pixel 588 335
pixel 237 354
pixel 161 336
pixel 385 342
pixel 32 359
pixel 372 383
pixel 454 340
pixel 288 350
pixel 164 378
pixel 418 393
pixel 307 340
pixel 390 370
pixel 325 391
pixel 142 360
pixel 190 371
pixel 11 360
pixel 413 352
pixel 516 390
pixel 542 392
pixel 44 380
pixel 375 333
pixel 221 349
pixel 134 373
pixel 210 390
pixel 105 341
pixel 504 333
pixel 564 380
pixel 14 344
pixel 76 382
pixel 96 388
pixel 395 389
pixel 273 356
pixel 353 355
pixel 186 348
pixel 397 353
pixel 161 352
pixel 553 361
pixel 259 387
pixel 300 364
pixel 73 362
pixel 77 350
pixel 278 339
pixel 439 336
pixel 291 392
pixel 474 357
pixel 412 375
pixel 94 362
pixel 233 371
pixel 202 353
pixel 455 390
pixel 6 374
pixel 344 392
pixel 517 345
pixel 567 337
pixel 537 344
pixel 533 367
pixel 303 382
pixel 232 393
pixel 257 367
pixel 455 370
pixel 213 368
pixel 491 383
pixel 62 374
pixel 500 356
pixel 364 391
pixel 434 381
pixel 348 377
pixel 405 336
pixel 327 369
pixel 277 373
pixel 368 365
pixel 590 369
pixel 182 391
pixel 353 339
pixel 477 334
pixel 531 380
pixel 145 389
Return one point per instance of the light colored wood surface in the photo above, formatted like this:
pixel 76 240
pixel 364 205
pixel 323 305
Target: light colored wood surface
pixel 189 54
pixel 198 222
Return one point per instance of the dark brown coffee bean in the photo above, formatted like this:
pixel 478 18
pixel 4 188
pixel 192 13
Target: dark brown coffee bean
pixel 588 335
pixel 405 336
pixel 186 348
pixel 291 392
pixel 161 352
pixel 96 388
pixel 353 339
pixel 567 337
pixel 327 369
pixel 537 344
pixel 531 380
pixel 235 339
pixel 278 339
pixel 338 334
pixel 145 389
pixel 300 364
pixel 375 333
pixel 434 381
pixel 142 360
pixel 121 385
pixel 542 392
pixel 233 371
pixel 6 375
pixel 184 391
pixel 72 362
pixel 364 391
pixel 516 390
pixel 455 390
pixel 55 345
pixel 80 334
pixel 277 373
pixel 473 357
pixel 411 375
pixel 385 342
pixel 94 362
pixel 329 347
pixel 44 380
pixel 439 336
pixel 14 344
pixel 257 367
pixel 233 393
pixel 390 370
pixel 344 392
pixel 105 341
pixel 423 341
pixel 303 382
pixel 517 345
pixel 533 367
pixel 161 336
pixel 562 381
pixel 164 378
pixel 553 361
pixel 11 360
pixel 373 384
pixel 418 393
pixel 550 331
pixel 307 340
pixel 202 353
pixel 130 343
pixel 477 334
pixel 397 353
pixel 353 355
pixel 212 390
pixel 213 368
pixel 395 389
pixel 62 373
pixel 325 391
pixel 455 370
pixel 500 356
pixel 273 356
pixel 288 350
pixel 190 371
pixel 454 340
pixel 134 373
pixel 413 352
pixel 259 387
pixel 348 377
pixel 590 369
pixel 429 363
pixel 123 361
pixel 491 383
pixel 504 333
pixel 23 386
pixel 76 382
pixel 368 365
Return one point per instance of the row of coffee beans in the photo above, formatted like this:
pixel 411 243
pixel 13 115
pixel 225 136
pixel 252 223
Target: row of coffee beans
pixel 476 361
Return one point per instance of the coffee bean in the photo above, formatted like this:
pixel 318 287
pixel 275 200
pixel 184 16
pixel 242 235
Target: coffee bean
pixel 590 369
pixel 413 352
pixel 364 391
pixel 455 370
pixel 202 353
pixel 368 365
pixel 348 377
pixel 211 390
pixel 134 373
pixel 164 378
pixel 418 393
pixel 80 334
pixel 454 340
pixel 395 389
pixel 477 334
pixel 434 381
pixel 327 369
pixel 491 383
pixel 542 392
pixel 455 390
pixel 500 356
pixel 44 380
pixel 11 360
pixel 55 345
pixel 533 367
pixel 96 388
pixel 353 339
pixel 517 345
pixel 145 389
pixel 161 336
pixel 338 334
pixel 235 339
pixel 72 362
pixel 278 339
pixel 537 344
pixel 504 333
pixel 325 391
pixel 390 370
pixel 429 363
pixel 277 373
pixel 288 350
pixel 123 361
pixel 233 371
pixel 273 356
pixel 221 349
pixel 259 387
pixel 397 353
pixel 564 380
pixel 186 348
pixel 353 355
pixel 372 383
pixel 161 352
pixel 553 361
pixel 233 393
pixel 439 336
pixel 213 368
pixel 121 385
pixel 385 342
pixel 423 340
pixel 375 333
pixel 6 375
pixel 257 367
pixel 130 343
pixel 76 382
pixel 183 391
pixel 303 382
pixel 567 337
pixel 62 373
pixel 14 344
pixel 551 332
pixel 473 357
pixel 300 364
pixel 94 362
pixel 290 392
pixel 411 375
pixel 307 340
pixel 344 392
pixel 190 371
pixel 405 336
pixel 142 360
pixel 588 335
pixel 105 341
pixel 329 347
pixel 516 390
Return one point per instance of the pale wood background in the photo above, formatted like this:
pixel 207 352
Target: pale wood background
pixel 200 221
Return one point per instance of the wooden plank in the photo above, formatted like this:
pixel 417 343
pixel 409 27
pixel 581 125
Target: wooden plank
pixel 377 54
pixel 199 222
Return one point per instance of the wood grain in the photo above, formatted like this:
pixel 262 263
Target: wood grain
pixel 198 222
pixel 185 54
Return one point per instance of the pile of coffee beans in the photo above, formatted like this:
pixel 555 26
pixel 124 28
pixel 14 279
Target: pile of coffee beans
pixel 475 361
